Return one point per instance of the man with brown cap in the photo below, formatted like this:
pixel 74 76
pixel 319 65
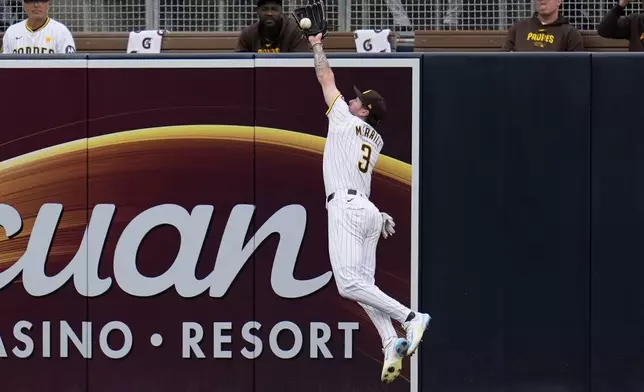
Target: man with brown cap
pixel 354 223
pixel 273 32
pixel 545 31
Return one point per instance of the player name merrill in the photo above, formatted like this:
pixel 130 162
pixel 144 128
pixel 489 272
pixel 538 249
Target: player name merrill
pixel 369 133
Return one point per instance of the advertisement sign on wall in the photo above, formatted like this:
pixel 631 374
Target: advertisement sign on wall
pixel 164 226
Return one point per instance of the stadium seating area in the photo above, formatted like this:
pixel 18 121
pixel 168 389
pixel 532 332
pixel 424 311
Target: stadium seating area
pixel 102 26
pixel 491 41
pixel 424 41
pixel 197 42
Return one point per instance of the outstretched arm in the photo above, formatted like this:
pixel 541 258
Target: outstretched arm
pixel 323 71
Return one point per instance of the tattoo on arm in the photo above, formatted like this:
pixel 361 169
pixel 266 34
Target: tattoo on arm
pixel 319 59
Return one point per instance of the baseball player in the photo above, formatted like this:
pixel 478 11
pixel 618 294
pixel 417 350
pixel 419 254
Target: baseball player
pixel 354 222
pixel 38 33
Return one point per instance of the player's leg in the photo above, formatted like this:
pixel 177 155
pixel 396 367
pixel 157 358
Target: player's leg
pixel 383 324
pixel 346 243
pixel 380 320
pixel 416 322
pixel 346 252
pixel 394 348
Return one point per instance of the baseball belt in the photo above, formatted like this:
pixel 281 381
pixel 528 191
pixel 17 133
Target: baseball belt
pixel 349 191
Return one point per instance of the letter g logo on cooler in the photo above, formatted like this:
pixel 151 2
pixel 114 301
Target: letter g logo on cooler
pixel 146 42
pixel 367 45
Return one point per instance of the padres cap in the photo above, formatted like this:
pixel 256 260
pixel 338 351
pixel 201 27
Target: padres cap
pixel 374 102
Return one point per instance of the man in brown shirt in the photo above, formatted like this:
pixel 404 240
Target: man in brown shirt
pixel 273 31
pixel 631 27
pixel 545 31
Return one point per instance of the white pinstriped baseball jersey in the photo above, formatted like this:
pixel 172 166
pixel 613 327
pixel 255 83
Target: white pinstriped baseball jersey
pixel 354 223
pixel 52 37
pixel 351 150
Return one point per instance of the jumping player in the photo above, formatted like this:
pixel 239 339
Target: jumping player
pixel 354 222
pixel 38 33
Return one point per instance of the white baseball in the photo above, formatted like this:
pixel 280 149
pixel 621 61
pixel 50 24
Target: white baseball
pixel 305 23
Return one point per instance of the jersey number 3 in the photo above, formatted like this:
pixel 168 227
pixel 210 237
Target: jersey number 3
pixel 363 164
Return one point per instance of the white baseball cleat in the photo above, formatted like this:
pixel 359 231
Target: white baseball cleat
pixel 394 354
pixel 415 329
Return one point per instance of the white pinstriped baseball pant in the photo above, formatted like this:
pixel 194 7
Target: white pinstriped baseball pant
pixel 354 225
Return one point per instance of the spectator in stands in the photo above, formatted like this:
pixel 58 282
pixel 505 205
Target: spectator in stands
pixel 38 34
pixel 616 25
pixel 545 31
pixel 273 32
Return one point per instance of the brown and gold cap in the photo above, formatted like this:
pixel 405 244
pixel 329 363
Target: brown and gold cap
pixel 374 102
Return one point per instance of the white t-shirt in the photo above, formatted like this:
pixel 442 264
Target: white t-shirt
pixel 351 151
pixel 52 37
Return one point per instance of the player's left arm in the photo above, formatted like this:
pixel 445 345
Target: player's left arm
pixel 323 71
pixel 65 42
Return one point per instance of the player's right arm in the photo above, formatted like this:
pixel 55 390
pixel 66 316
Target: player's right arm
pixel 324 73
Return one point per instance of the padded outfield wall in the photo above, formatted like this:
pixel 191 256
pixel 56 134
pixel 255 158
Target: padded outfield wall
pixel 165 226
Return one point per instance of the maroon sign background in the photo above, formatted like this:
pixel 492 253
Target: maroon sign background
pixel 151 141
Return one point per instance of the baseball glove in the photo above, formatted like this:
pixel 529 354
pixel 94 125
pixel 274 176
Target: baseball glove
pixel 317 14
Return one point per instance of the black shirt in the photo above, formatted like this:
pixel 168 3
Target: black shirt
pixel 631 27
pixel 290 39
